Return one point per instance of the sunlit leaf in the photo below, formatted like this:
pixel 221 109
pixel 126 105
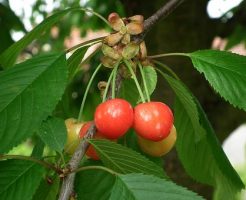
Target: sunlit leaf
pixel 226 72
pixel 124 160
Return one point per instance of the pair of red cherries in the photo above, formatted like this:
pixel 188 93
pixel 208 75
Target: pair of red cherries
pixel 152 120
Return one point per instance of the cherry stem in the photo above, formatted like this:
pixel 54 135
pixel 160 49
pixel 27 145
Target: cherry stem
pixel 97 14
pixel 29 158
pixel 144 81
pixel 86 43
pixel 114 80
pixel 95 167
pixel 86 92
pixel 83 62
pixel 136 80
pixel 169 54
pixel 93 41
pixel 167 69
pixel 107 86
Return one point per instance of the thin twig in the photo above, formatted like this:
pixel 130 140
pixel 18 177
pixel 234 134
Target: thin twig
pixel 68 182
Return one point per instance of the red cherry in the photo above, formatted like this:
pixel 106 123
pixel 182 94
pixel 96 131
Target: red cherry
pixel 113 118
pixel 91 152
pixel 153 120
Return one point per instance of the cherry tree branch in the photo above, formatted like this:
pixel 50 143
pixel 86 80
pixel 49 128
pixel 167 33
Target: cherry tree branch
pixel 161 14
pixel 68 182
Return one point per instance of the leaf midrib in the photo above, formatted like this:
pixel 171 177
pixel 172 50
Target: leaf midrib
pixel 154 171
pixel 55 139
pixel 218 66
pixel 96 147
pixel 126 186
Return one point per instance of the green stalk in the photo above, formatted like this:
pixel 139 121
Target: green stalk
pixel 114 80
pixel 95 167
pixel 107 86
pixel 144 82
pixel 136 80
pixel 97 14
pixel 86 92
pixel 167 69
pixel 169 54
pixel 83 62
pixel 86 43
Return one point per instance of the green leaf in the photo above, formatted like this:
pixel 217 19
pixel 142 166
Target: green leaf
pixel 54 133
pixel 146 187
pixel 129 91
pixel 19 179
pixel 74 60
pixel 189 106
pixel 194 154
pixel 47 191
pixel 124 160
pixel 204 160
pixel 130 140
pixel 29 93
pixel 38 149
pixel 7 58
pixel 228 181
pixel 226 72
pixel 151 78
pixel 98 187
pixel 9 23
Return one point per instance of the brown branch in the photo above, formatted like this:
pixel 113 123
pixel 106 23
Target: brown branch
pixel 162 13
pixel 68 182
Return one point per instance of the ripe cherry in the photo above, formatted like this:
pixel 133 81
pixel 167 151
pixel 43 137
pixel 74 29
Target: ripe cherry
pixel 91 152
pixel 159 148
pixel 153 120
pixel 113 118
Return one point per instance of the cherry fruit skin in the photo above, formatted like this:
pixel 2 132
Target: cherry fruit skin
pixel 73 128
pixel 91 152
pixel 113 118
pixel 153 120
pixel 160 148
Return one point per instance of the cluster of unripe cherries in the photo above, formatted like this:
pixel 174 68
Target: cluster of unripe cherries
pixel 152 122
